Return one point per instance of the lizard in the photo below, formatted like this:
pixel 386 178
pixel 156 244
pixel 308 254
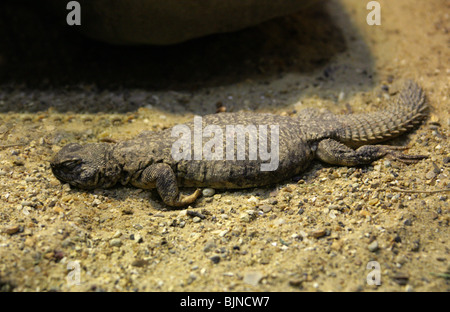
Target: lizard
pixel 146 161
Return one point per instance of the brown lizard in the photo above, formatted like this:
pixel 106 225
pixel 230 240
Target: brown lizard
pixel 148 161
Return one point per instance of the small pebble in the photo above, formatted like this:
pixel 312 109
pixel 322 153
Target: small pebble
pixel 296 282
pixel 415 246
pixel 334 207
pixel 318 233
pixel 209 246
pixel 138 238
pixel 192 277
pixel 244 217
pixel 139 263
pixel 115 242
pixel 373 246
pixel 196 219
pixel 11 230
pixel 194 213
pixel 19 161
pixel 208 192
pixel 223 233
pixel 253 278
pixel 430 175
pixel 401 278
pixel 266 208
pixel 26 203
pixel 117 234
pixel 288 189
pixel 215 259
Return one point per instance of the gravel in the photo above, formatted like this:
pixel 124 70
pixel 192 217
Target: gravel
pixel 42 241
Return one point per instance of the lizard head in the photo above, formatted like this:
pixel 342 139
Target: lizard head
pixel 87 166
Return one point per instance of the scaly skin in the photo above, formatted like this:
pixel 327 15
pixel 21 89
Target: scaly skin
pixel 146 161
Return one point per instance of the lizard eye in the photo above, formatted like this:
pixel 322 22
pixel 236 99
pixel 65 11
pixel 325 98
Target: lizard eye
pixel 71 164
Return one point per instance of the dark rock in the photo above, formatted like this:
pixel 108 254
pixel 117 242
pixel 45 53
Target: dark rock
pixel 172 21
pixel 215 259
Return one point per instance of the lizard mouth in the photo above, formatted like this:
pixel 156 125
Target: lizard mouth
pixel 67 170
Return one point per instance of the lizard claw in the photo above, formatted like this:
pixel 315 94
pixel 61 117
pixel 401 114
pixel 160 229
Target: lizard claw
pixel 392 152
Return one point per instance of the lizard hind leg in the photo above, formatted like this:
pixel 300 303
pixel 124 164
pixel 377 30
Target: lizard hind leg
pixel 162 176
pixel 335 153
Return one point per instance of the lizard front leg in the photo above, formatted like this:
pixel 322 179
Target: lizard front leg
pixel 163 178
pixel 336 153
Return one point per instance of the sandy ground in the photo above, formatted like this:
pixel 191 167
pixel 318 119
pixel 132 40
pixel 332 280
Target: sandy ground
pixel 317 232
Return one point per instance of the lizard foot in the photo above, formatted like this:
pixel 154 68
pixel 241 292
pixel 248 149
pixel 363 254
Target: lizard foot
pixel 336 153
pixel 184 200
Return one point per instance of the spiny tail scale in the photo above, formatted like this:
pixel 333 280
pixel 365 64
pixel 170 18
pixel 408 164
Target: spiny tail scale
pixel 408 111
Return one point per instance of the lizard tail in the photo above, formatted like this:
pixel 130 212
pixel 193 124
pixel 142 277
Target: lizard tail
pixel 408 111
